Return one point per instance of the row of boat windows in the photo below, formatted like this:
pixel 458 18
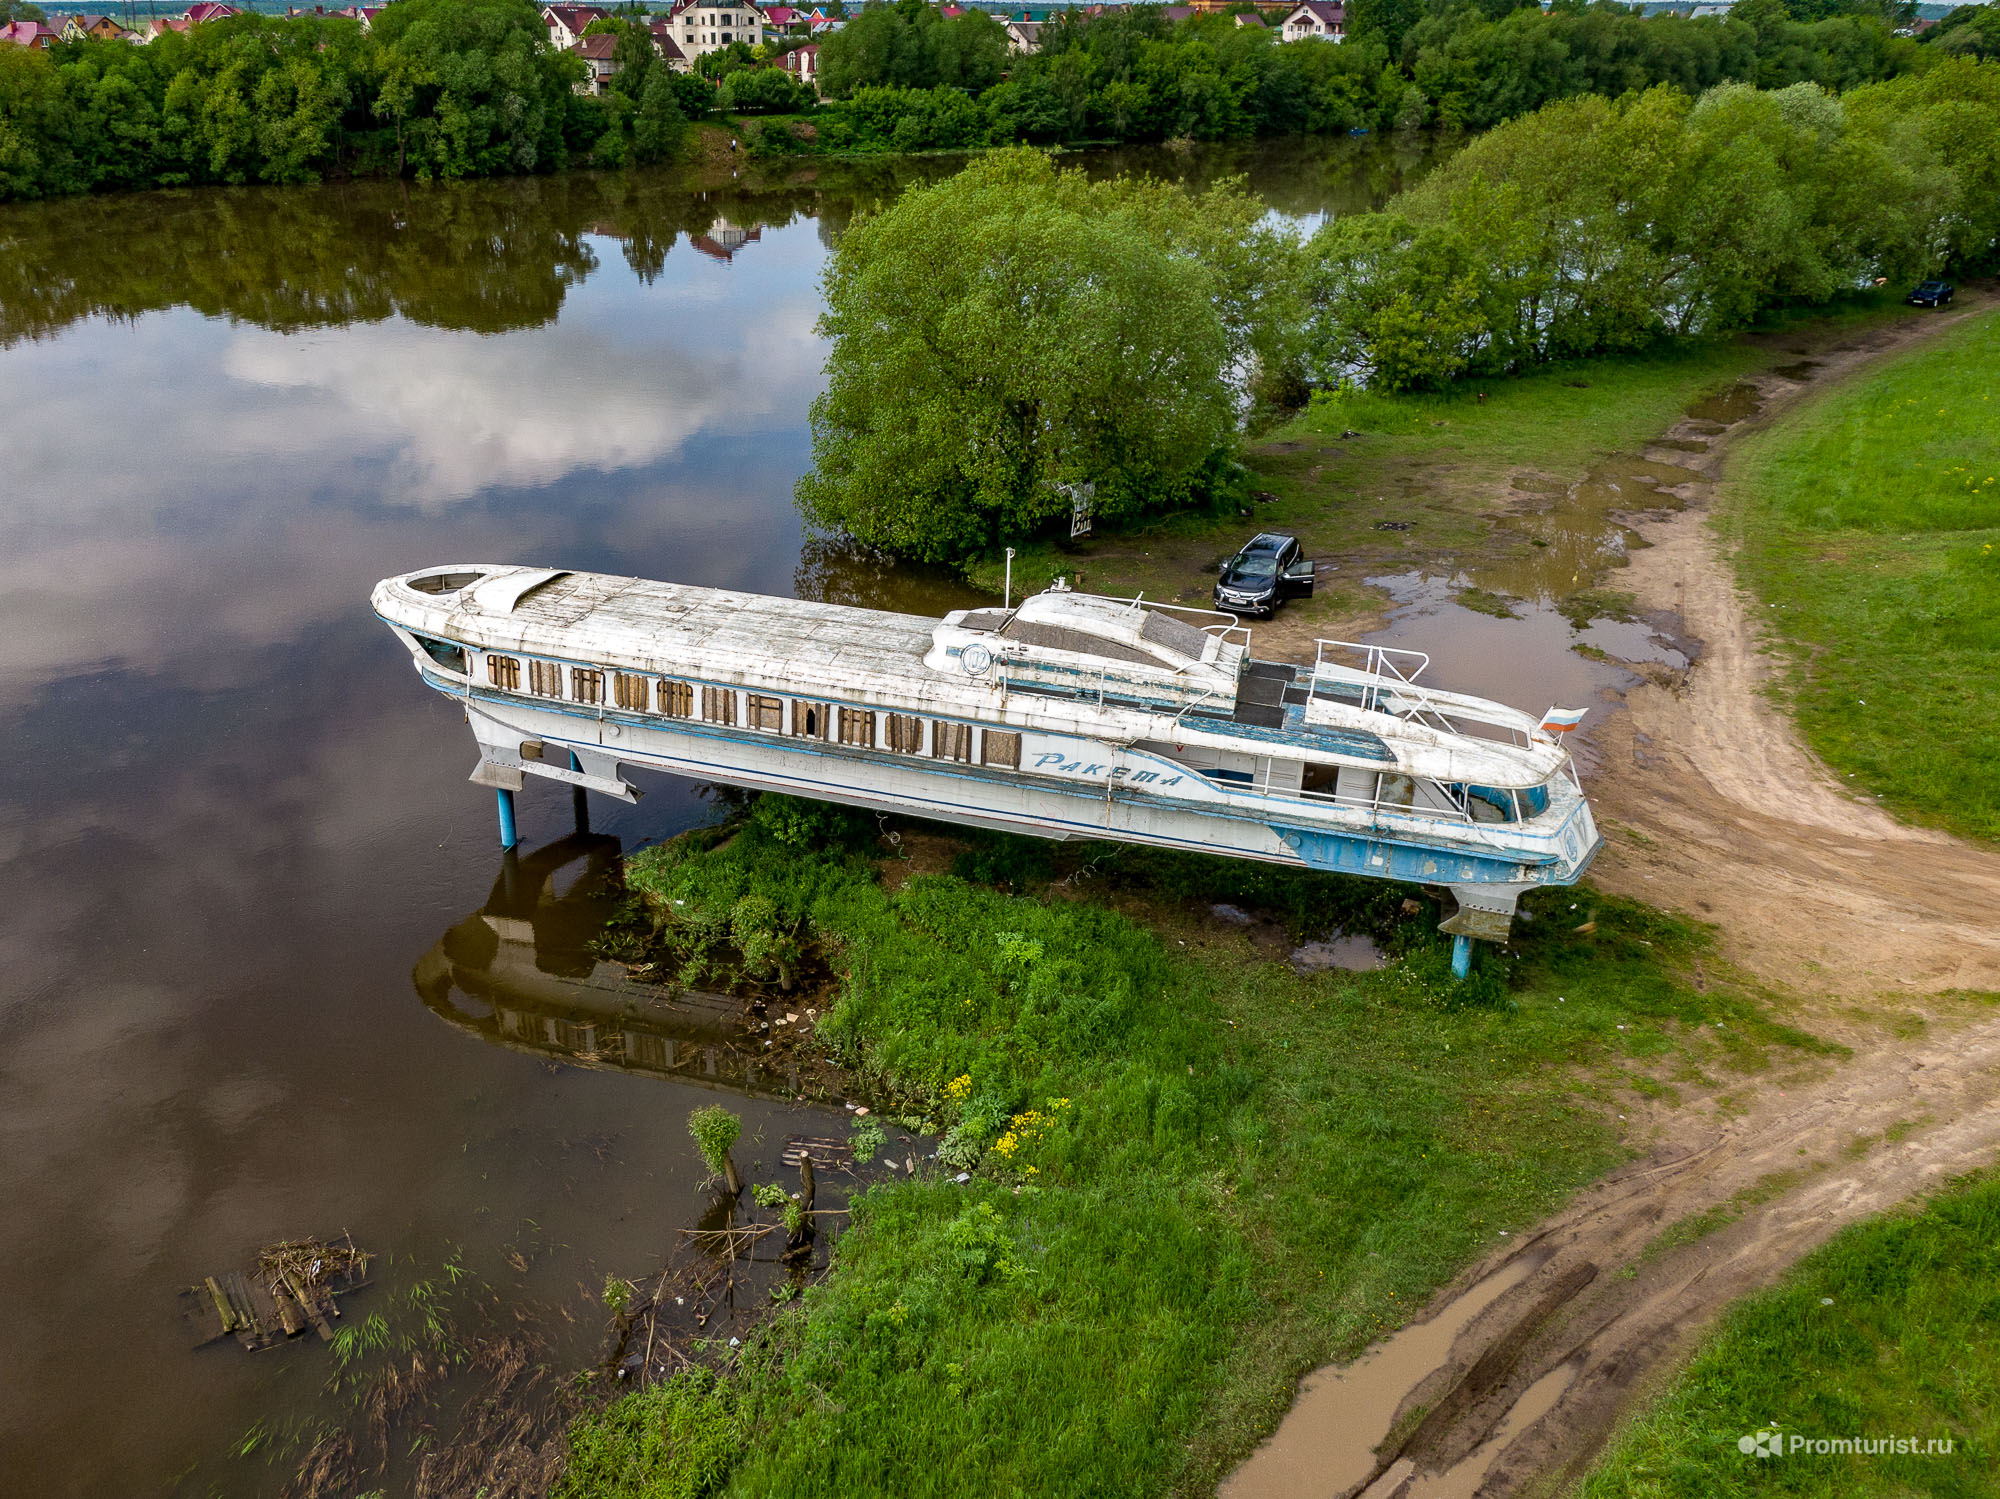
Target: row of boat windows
pixel 905 733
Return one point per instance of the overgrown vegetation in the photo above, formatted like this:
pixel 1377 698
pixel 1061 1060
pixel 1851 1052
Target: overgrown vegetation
pixel 1595 226
pixel 439 89
pixel 987 329
pixel 1868 525
pixel 1887 1332
pixel 1194 1173
pixel 1015 328
pixel 469 88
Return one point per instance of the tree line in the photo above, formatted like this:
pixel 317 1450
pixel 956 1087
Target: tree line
pixel 443 89
pixel 435 89
pixel 1016 328
pixel 903 77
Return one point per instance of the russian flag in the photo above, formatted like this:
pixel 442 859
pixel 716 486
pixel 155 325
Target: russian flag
pixel 1562 720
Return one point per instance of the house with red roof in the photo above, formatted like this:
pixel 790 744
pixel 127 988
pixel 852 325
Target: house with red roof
pixel 210 10
pixel 566 23
pixel 596 52
pixel 802 63
pixel 1322 20
pixel 29 34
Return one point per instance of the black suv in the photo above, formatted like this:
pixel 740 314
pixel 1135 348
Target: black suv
pixel 1930 294
pixel 1263 575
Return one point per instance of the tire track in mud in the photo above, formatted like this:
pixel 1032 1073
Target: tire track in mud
pixel 1812 889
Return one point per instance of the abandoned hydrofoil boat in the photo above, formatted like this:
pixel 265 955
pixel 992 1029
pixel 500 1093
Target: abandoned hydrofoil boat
pixel 1068 716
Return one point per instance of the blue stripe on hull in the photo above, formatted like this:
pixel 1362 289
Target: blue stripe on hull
pixel 1344 853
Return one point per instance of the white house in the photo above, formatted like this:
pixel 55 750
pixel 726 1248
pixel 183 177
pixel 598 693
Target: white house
pixel 1023 36
pixel 704 26
pixel 596 52
pixel 1323 20
pixel 566 23
pixel 668 49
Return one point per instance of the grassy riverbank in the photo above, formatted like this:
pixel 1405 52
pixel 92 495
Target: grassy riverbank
pixel 1888 1331
pixel 1868 524
pixel 1438 468
pixel 1195 1172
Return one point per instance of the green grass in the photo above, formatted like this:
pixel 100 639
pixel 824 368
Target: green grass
pixel 1868 525
pixel 1445 463
pixel 1220 1173
pixel 1891 1330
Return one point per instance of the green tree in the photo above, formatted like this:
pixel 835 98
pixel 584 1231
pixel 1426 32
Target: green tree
pixel 1001 332
pixel 477 90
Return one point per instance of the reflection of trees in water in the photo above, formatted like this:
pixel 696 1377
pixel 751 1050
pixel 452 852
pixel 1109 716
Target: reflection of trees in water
pixel 835 570
pixel 499 255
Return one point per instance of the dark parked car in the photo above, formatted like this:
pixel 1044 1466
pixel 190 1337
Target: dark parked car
pixel 1931 294
pixel 1263 575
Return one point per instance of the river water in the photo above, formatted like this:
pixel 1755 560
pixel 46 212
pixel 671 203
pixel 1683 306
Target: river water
pixel 235 825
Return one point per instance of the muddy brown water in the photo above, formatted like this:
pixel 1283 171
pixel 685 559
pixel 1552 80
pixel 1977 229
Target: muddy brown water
pixel 245 881
pixel 1326 1445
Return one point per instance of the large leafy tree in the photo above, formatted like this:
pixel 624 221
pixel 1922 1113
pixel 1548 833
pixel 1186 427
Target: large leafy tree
pixel 1014 328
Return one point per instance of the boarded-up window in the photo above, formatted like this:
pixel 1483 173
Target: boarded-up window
pixel 545 679
pixel 586 686
pixel 718 704
pixel 857 726
pixel 629 691
pixel 677 699
pixel 1002 748
pixel 762 712
pixel 504 671
pixel 809 719
pixel 906 733
pixel 951 741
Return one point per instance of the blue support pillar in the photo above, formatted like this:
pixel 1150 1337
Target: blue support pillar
pixel 579 799
pixel 508 837
pixel 1461 957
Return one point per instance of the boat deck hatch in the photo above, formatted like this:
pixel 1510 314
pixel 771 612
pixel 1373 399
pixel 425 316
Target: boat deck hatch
pixel 1260 696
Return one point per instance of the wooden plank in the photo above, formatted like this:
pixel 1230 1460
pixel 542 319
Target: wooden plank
pixel 223 1310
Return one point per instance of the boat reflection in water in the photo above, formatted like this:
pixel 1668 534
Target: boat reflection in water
pixel 520 972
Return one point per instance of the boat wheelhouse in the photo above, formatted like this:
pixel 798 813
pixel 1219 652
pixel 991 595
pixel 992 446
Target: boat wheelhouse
pixel 1067 716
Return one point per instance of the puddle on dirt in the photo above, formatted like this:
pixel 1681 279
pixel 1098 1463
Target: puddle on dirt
pixel 1802 371
pixel 1350 951
pixel 1462 1479
pixel 1733 405
pixel 1680 444
pixel 1526 658
pixel 1576 538
pixel 1326 1443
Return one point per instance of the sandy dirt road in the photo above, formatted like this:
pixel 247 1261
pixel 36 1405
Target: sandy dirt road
pixel 1525 1365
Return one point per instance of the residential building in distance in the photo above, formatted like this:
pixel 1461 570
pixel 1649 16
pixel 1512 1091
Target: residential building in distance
pixel 705 26
pixel 566 23
pixel 28 34
pixel 210 10
pixel 1322 20
pixel 97 28
pixel 802 63
pixel 668 49
pixel 1024 36
pixel 596 54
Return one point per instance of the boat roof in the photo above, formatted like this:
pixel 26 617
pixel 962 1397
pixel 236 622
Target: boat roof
pixel 909 663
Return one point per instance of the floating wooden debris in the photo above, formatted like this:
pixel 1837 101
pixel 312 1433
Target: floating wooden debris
pixel 826 1154
pixel 292 1288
